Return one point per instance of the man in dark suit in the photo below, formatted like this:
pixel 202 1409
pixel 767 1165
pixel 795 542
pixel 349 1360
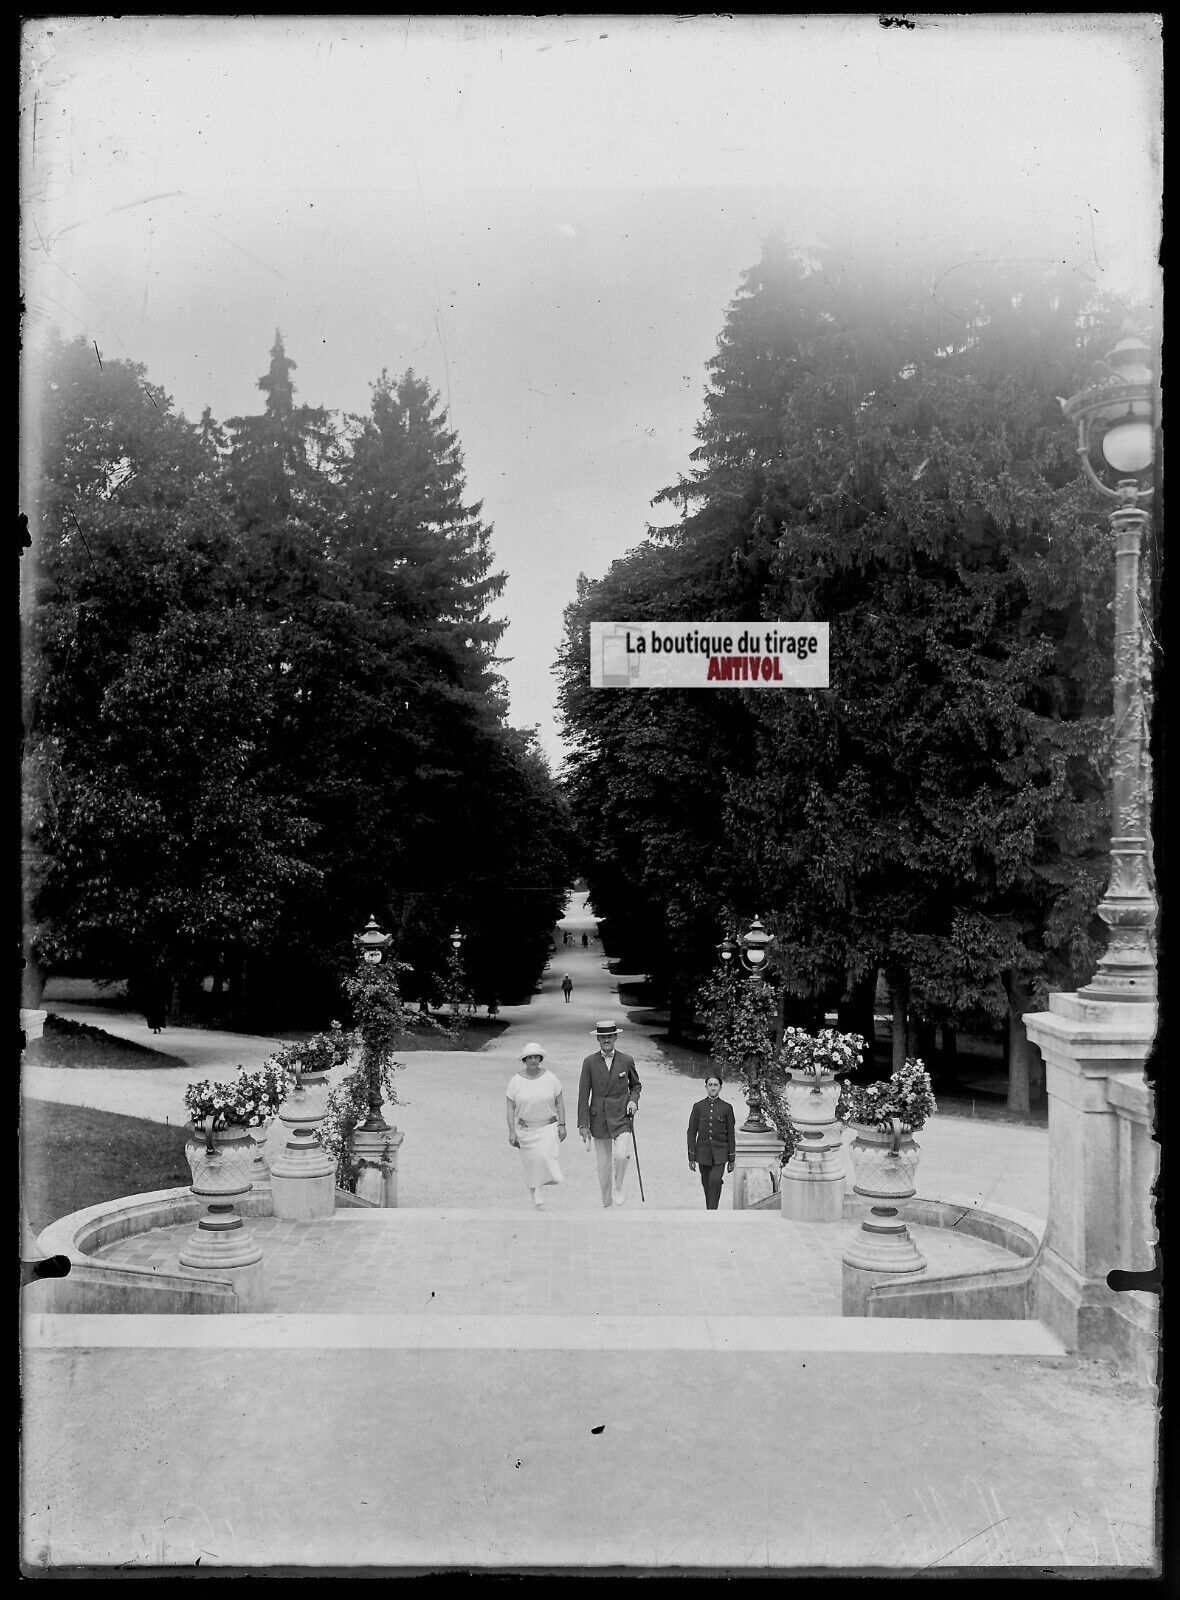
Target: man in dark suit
pixel 711 1140
pixel 608 1097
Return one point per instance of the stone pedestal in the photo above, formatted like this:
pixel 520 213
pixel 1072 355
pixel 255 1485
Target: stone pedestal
pixel 881 1251
pixel 221 1245
pixel 755 1152
pixel 1102 1165
pixel 376 1157
pixel 303 1178
pixel 302 1173
pixel 813 1179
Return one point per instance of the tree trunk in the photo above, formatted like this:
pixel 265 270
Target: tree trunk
pixel 899 995
pixel 1021 1051
pixel 856 1013
pixel 949 1056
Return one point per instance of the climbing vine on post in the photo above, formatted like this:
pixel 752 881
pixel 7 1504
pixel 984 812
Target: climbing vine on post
pixel 740 1016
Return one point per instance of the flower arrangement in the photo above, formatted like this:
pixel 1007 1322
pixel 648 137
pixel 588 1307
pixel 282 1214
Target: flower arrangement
pixel 254 1097
pixel 249 1101
pixel 906 1095
pixel 320 1053
pixel 826 1051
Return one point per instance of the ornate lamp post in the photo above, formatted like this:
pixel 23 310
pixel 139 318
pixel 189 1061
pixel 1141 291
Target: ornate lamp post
pixel 756 943
pixel 1102 1158
pixel 1115 419
pixel 455 975
pixel 373 945
pixel 758 1144
pixel 753 951
pixel 375 996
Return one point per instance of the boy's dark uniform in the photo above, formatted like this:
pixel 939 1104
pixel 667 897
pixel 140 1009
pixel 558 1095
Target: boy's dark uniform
pixel 712 1144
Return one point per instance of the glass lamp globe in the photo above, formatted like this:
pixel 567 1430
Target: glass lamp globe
pixel 1129 445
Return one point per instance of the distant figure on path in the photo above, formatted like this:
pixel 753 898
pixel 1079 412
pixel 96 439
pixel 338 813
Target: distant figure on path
pixel 585 942
pixel 711 1140
pixel 608 1097
pixel 567 987
pixel 493 1007
pixel 154 993
pixel 536 1121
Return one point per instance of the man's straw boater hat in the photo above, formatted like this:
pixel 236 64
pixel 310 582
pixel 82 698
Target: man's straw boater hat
pixel 607 1027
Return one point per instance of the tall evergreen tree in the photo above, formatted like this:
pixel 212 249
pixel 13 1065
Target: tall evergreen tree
pixel 279 457
pixel 438 764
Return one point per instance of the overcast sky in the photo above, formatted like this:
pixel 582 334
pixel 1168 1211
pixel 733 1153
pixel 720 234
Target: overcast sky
pixel 546 218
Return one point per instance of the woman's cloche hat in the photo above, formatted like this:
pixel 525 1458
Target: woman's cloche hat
pixel 532 1049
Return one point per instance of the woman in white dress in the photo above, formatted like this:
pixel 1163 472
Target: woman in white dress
pixel 536 1120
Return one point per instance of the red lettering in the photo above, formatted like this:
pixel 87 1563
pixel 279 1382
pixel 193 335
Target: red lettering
pixel 714 668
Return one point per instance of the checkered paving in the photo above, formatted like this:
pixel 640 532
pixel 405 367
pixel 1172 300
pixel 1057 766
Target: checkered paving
pixel 652 1264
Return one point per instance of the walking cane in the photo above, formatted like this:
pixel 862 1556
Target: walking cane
pixel 635 1147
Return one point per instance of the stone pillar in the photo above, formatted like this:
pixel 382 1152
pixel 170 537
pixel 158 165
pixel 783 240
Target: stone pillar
pixel 1102 1165
pixel 376 1158
pixel 754 1152
pixel 302 1173
pixel 813 1179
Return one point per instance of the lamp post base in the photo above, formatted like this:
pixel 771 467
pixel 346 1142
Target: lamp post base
pixel 1103 1163
pixel 376 1153
pixel 756 1152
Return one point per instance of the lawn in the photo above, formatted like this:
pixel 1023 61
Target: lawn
pixel 65 1043
pixel 72 1157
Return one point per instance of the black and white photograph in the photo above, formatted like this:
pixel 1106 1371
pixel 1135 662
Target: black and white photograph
pixel 591 679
